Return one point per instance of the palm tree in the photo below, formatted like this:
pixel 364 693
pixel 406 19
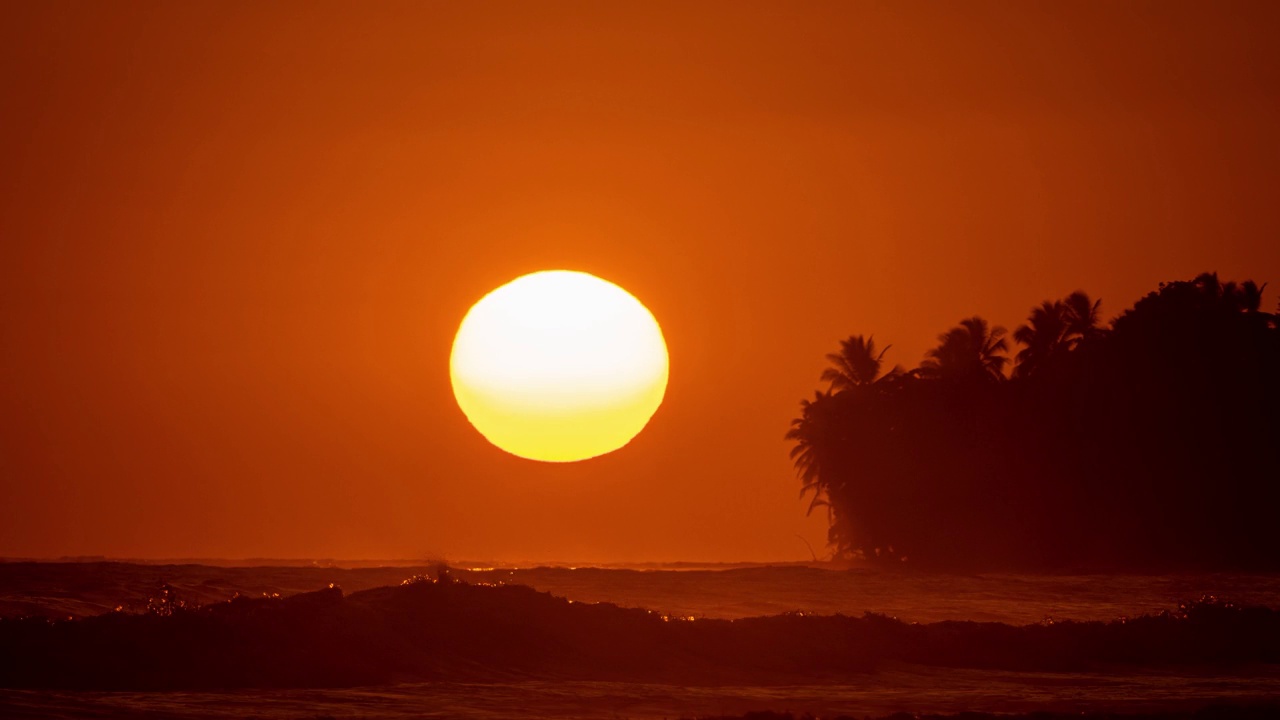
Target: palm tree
pixel 971 350
pixel 824 454
pixel 812 434
pixel 1247 296
pixel 1044 336
pixel 1055 328
pixel 1209 284
pixel 856 365
pixel 1238 297
pixel 1084 318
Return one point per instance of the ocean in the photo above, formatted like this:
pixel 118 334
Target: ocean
pixel 690 593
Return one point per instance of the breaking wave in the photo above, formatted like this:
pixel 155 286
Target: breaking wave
pixel 448 630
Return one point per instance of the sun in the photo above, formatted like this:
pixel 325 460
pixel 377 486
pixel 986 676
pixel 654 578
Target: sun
pixel 559 366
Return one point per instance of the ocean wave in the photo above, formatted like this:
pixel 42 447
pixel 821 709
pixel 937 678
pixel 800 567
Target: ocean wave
pixel 426 630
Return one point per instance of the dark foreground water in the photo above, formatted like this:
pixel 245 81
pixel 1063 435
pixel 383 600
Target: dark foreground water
pixel 917 690
pixel 1086 667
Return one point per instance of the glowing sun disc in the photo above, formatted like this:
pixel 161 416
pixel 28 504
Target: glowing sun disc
pixel 559 366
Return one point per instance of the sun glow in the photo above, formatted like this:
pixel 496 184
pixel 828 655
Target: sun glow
pixel 559 366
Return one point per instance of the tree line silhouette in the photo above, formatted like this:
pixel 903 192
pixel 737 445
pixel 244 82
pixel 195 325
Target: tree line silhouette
pixel 1151 444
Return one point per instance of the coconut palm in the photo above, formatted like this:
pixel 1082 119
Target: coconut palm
pixel 1084 318
pixel 857 364
pixel 812 434
pixel 1247 296
pixel 824 454
pixel 1209 284
pixel 1244 298
pixel 1055 328
pixel 1044 337
pixel 971 350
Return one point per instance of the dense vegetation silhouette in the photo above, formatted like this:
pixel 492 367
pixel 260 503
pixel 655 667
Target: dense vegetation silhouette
pixel 1147 445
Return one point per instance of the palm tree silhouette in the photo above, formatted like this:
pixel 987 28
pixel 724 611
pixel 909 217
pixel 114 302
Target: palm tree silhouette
pixel 1043 335
pixel 1055 328
pixel 856 365
pixel 972 350
pixel 824 454
pixel 1084 318
pixel 1244 297
pixel 1150 422
pixel 811 433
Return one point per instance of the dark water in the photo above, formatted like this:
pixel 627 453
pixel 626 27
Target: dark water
pixel 917 690
pixel 86 589
pixel 80 589
pixel 1015 599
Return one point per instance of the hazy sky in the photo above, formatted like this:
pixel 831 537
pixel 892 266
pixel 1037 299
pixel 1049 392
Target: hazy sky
pixel 236 240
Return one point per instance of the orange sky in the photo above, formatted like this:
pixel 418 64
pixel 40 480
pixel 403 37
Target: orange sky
pixel 236 240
